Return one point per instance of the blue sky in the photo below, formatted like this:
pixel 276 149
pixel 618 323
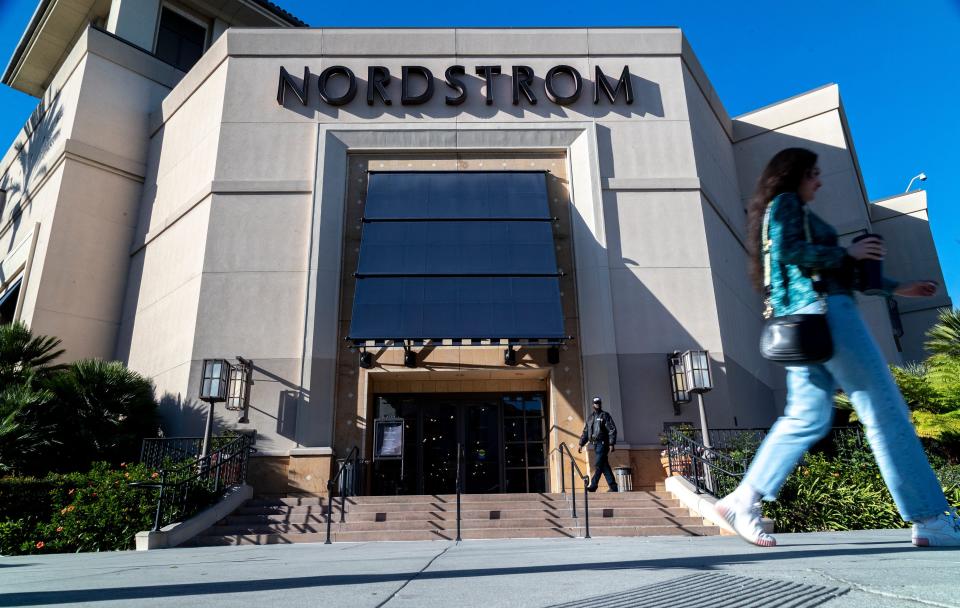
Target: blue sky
pixel 896 63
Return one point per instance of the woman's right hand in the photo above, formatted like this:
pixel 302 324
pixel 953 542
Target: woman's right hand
pixel 867 249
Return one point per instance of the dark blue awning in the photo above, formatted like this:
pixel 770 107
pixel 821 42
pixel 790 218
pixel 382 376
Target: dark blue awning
pixel 460 256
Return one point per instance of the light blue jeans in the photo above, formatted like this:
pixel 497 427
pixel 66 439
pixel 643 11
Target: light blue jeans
pixel 859 369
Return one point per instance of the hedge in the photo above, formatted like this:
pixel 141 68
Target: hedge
pixel 74 512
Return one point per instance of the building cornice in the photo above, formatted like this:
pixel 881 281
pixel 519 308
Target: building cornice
pixel 25 39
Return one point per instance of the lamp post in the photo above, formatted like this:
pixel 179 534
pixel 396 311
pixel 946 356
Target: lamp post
pixel 920 176
pixel 698 380
pixel 213 388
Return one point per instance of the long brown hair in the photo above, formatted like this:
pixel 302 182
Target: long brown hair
pixel 783 173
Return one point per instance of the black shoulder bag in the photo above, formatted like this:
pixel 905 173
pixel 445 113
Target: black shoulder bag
pixel 802 339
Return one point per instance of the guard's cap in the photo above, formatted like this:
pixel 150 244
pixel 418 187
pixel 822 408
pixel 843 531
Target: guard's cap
pixel 597 401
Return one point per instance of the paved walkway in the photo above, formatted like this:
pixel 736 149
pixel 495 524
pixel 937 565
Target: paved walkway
pixel 875 569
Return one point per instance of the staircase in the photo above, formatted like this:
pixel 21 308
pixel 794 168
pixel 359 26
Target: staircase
pixel 302 519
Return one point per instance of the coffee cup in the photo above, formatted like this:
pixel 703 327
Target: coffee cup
pixel 870 272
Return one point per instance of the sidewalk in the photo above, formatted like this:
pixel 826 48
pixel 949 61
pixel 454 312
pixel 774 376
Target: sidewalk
pixel 838 570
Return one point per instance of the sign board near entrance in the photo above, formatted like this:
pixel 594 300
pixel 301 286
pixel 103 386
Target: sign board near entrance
pixel 388 434
pixel 417 85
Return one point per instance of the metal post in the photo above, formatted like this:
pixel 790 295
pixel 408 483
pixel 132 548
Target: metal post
pixel 156 517
pixel 459 482
pixel 563 481
pixel 573 488
pixel 329 510
pixel 586 507
pixel 707 482
pixel 703 422
pixel 209 430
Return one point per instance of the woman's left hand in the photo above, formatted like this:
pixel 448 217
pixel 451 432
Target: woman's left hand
pixel 916 289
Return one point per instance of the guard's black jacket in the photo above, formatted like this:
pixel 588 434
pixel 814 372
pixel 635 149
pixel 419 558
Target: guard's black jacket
pixel 599 429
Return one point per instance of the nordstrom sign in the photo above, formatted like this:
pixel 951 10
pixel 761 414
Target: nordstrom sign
pixel 562 85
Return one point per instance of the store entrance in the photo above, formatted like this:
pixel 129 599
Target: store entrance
pixel 504 439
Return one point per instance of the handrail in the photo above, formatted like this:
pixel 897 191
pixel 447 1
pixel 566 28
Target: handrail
pixel 460 459
pixel 353 457
pixel 709 470
pixel 209 475
pixel 574 467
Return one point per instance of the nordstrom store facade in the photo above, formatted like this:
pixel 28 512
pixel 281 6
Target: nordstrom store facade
pixel 462 234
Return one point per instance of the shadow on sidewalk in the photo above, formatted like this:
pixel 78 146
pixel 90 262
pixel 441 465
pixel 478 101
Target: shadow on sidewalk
pixel 700 562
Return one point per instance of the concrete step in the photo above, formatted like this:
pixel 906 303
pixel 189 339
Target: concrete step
pixel 298 517
pixel 367 526
pixel 316 513
pixel 466 533
pixel 385 507
pixel 302 518
pixel 312 500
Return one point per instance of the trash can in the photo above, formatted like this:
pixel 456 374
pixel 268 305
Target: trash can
pixel 624 478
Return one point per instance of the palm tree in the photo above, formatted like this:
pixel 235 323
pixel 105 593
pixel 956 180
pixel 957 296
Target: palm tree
pixel 22 354
pixel 103 411
pixel 23 433
pixel 945 335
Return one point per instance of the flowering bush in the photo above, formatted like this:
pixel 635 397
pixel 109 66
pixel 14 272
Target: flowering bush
pixel 93 511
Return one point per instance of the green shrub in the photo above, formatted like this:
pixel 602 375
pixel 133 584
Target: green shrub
pixel 846 492
pixel 914 383
pixel 14 535
pixel 94 511
pixel 950 480
pixel 24 497
pixel 827 494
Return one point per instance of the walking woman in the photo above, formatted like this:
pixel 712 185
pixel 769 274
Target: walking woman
pixel 808 271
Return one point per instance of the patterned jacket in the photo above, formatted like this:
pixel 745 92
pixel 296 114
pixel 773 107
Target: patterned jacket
pixel 795 261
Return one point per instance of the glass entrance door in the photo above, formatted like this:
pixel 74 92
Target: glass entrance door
pixel 482 462
pixel 503 436
pixel 440 425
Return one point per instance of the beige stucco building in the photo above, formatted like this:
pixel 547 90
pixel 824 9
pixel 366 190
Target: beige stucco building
pixel 162 207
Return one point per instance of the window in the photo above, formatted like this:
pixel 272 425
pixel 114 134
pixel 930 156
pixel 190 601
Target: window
pixel 180 39
pixel 457 255
pixel 8 302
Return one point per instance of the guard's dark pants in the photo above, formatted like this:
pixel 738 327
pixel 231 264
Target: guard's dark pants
pixel 601 464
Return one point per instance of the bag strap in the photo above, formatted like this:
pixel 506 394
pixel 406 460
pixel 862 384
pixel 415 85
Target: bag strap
pixel 767 247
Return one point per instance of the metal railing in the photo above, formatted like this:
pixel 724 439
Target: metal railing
pixel 717 470
pixel 459 488
pixel 160 452
pixel 575 469
pixel 192 484
pixel 353 460
pixel 710 470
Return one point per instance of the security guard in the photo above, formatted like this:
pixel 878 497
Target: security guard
pixel 602 433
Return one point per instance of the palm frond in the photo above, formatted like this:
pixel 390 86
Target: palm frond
pixel 22 352
pixel 944 336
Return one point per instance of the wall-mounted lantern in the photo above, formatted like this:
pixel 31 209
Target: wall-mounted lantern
pixel 678 386
pixel 238 391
